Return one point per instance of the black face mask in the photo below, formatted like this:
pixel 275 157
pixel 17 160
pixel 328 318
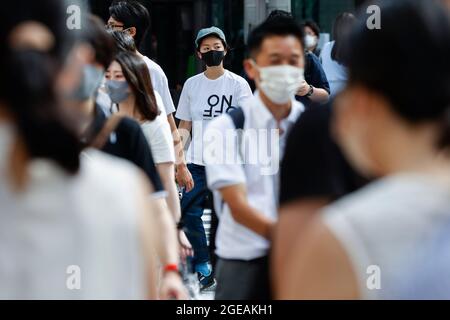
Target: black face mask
pixel 213 58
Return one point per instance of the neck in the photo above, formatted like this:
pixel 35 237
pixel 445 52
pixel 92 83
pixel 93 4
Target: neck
pixel 214 72
pixel 279 111
pixel 411 150
pixel 128 107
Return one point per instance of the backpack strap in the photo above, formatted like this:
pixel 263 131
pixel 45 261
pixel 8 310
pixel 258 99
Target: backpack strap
pixel 238 117
pixel 109 127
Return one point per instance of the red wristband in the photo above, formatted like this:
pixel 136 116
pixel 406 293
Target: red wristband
pixel 171 268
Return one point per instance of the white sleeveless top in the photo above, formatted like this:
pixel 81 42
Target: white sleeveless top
pixel 382 226
pixel 64 232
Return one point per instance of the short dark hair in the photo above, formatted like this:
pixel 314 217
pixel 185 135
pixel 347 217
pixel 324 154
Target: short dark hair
pixel 313 25
pixel 275 26
pixel 136 73
pixel 123 41
pixel 274 14
pixel 413 44
pixel 131 14
pixel 100 40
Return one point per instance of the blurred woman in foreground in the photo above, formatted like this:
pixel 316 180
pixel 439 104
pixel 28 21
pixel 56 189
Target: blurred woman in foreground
pixel 69 228
pixel 392 125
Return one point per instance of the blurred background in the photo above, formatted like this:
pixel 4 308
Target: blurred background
pixel 175 23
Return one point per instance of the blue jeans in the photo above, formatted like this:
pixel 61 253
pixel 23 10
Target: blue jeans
pixel 192 206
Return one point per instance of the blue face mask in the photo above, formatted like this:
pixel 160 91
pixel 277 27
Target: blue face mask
pixel 118 91
pixel 90 81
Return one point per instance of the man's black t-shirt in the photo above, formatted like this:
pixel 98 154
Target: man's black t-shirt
pixel 313 165
pixel 128 142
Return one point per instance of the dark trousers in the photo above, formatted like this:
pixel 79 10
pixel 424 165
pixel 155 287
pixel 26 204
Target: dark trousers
pixel 243 280
pixel 192 206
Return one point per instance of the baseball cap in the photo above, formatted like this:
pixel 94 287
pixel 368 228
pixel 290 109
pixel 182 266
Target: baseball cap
pixel 203 33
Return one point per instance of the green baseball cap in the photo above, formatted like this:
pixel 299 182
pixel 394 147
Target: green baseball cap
pixel 203 33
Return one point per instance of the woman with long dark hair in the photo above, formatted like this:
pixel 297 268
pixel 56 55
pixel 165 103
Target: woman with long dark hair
pixel 130 89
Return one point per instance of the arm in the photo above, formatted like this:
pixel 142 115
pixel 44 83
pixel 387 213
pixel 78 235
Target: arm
pixel 236 198
pixel 183 176
pixel 293 219
pixel 320 268
pixel 167 174
pixel 319 95
pixel 316 77
pixel 158 240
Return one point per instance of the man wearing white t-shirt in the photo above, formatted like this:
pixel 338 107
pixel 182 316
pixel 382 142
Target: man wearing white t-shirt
pixel 204 97
pixel 134 18
pixel 244 172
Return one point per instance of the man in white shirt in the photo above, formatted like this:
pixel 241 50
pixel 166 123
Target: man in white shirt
pixel 134 18
pixel 243 172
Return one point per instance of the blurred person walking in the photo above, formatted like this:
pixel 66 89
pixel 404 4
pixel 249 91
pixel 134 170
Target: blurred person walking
pixel 333 56
pixel 123 137
pixel 312 36
pixel 69 227
pixel 358 246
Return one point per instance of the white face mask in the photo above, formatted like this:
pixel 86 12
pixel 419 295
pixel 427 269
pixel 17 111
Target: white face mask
pixel 280 83
pixel 310 41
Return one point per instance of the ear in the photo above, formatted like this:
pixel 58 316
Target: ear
pixel 199 55
pixel 132 31
pixel 250 69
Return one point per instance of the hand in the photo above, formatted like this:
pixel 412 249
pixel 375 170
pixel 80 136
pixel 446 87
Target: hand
pixel 185 246
pixel 184 177
pixel 304 89
pixel 172 287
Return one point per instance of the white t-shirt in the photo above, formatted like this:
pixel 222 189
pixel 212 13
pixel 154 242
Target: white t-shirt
pixel 203 99
pixel 159 137
pixel 382 226
pixel 63 226
pixel 229 162
pixel 160 84
pixel 336 73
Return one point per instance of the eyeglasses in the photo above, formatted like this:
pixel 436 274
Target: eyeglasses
pixel 113 26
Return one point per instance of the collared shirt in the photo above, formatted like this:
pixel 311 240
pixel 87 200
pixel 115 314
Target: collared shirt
pixel 252 160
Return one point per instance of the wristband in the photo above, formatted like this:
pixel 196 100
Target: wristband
pixel 171 268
